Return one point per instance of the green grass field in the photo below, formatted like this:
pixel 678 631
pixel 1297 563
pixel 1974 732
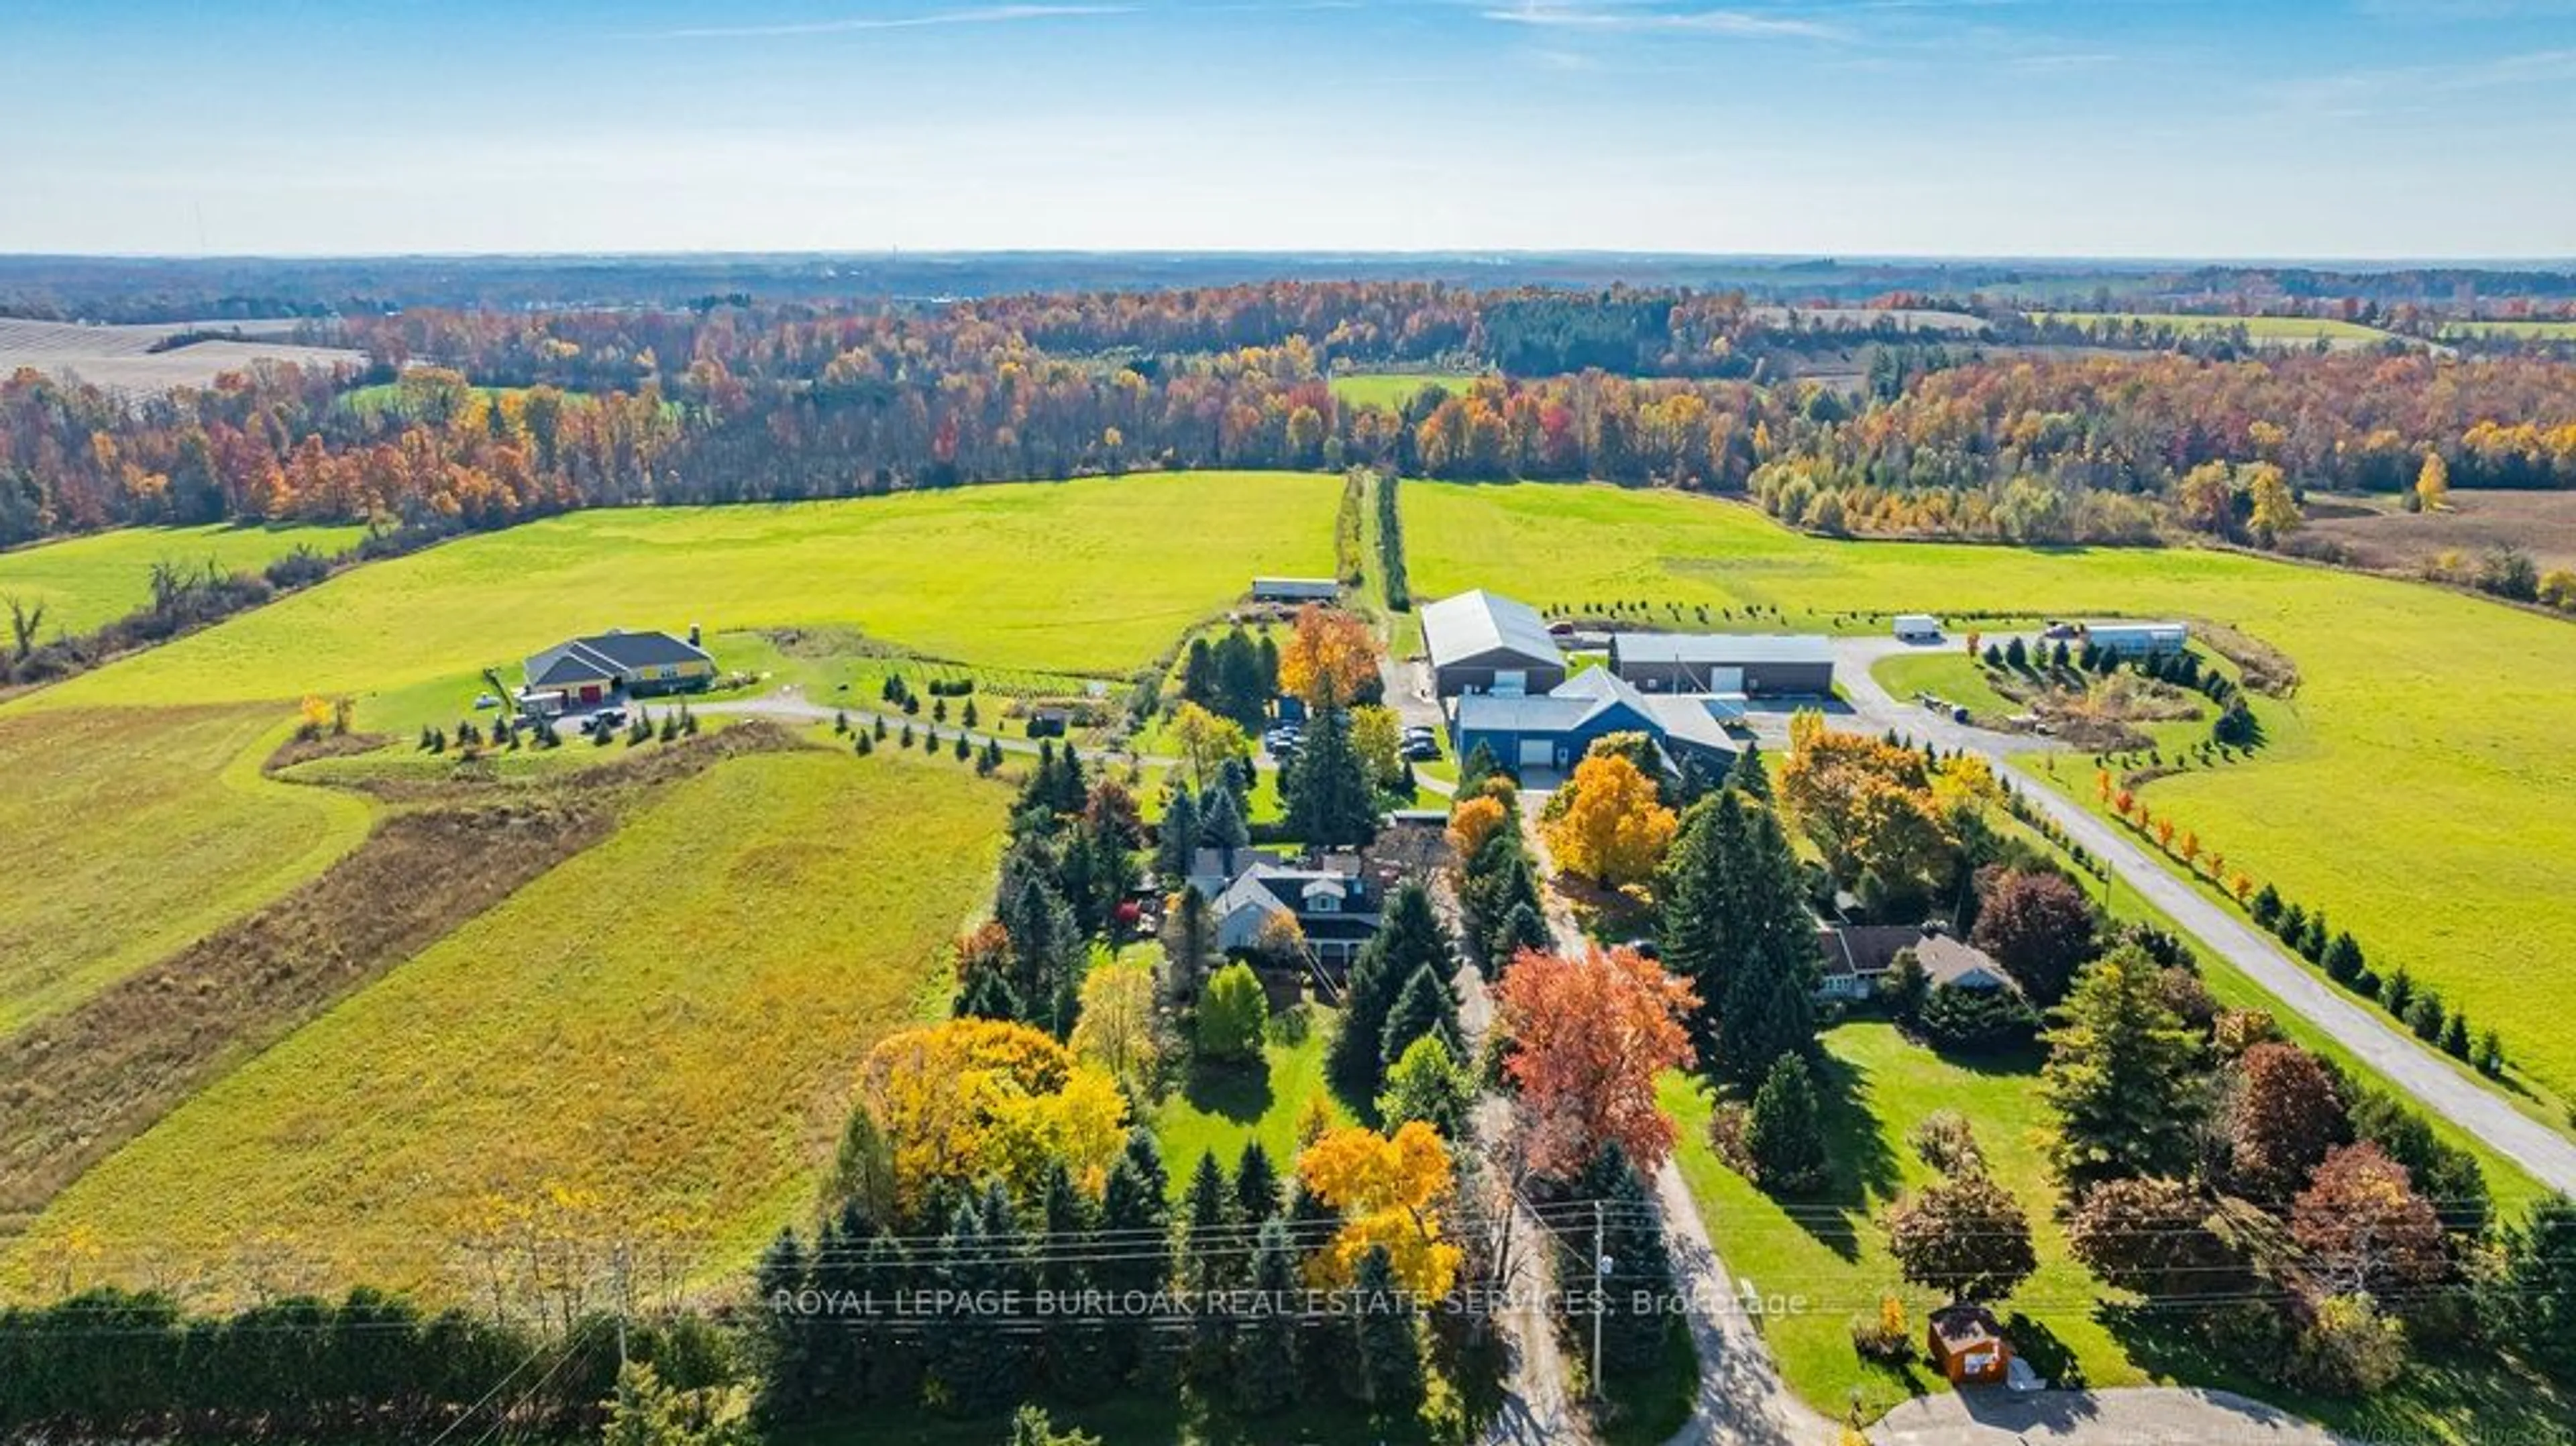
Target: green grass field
pixel 667 1025
pixel 1224 1110
pixel 134 831
pixel 1090 576
pixel 1392 390
pixel 2414 787
pixel 84 582
pixel 2288 329
pixel 2532 330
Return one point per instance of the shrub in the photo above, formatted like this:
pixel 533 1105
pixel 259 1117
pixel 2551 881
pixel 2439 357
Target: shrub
pixel 1976 1021
pixel 1885 1337
pixel 1948 1143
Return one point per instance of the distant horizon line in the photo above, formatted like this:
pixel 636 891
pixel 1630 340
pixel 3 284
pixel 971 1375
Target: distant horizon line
pixel 1471 255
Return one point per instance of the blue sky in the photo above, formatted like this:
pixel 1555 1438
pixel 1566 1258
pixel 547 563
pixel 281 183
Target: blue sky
pixel 2323 128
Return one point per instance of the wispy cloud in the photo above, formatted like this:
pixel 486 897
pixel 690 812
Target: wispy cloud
pixel 1740 24
pixel 984 15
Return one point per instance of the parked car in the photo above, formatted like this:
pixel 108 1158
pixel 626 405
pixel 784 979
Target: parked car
pixel 1959 714
pixel 1645 948
pixel 1421 750
pixel 485 700
pixel 1561 628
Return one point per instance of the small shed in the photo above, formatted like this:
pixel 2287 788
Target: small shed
pixel 1295 589
pixel 1917 628
pixel 1967 1346
pixel 2138 640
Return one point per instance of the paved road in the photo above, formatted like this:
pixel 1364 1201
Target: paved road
pixel 2433 1080
pixel 2145 1416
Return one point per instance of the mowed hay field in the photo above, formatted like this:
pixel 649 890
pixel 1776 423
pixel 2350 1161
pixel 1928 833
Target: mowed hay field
pixel 132 831
pixel 1096 576
pixel 2417 788
pixel 85 582
pixel 664 1030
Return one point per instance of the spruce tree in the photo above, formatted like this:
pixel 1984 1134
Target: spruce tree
pixel 1425 1007
pixel 1266 1354
pixel 1736 926
pixel 2123 1073
pixel 1326 787
pixel 1784 1137
pixel 1390 1352
pixel 1221 826
pixel 1207 1272
pixel 1410 940
pixel 1750 776
pixel 1135 1211
pixel 1641 1266
pixel 1075 1348
pixel 1256 1184
pixel 1176 837
pixel 965 1351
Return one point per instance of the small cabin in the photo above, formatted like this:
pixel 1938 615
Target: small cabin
pixel 1967 1346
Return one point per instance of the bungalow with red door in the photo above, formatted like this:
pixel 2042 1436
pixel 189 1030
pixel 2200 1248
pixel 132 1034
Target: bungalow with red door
pixel 587 672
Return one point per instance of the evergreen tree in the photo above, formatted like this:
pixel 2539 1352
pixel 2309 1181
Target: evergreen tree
pixel 1198 675
pixel 1266 1354
pixel 1475 768
pixel 1221 826
pixel 1176 837
pixel 1784 1137
pixel 2536 1290
pixel 1736 926
pixel 1390 1351
pixel 2123 1074
pixel 1256 1184
pixel 1522 928
pixel 966 1353
pixel 1326 786
pixel 1750 776
pixel 1075 1350
pixel 1136 1212
pixel 1241 692
pixel 1409 940
pixel 1641 1266
pixel 1046 953
pixel 1426 1007
pixel 987 995
pixel 1207 1271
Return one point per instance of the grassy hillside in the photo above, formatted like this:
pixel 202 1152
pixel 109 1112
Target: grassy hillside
pixel 2415 786
pixel 655 1038
pixel 1095 575
pixel 86 581
pixel 132 831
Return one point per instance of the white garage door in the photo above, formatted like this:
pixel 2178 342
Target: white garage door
pixel 1511 682
pixel 1726 680
pixel 1538 753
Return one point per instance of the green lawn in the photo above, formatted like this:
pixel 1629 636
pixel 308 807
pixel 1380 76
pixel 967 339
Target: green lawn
pixel 2414 787
pixel 666 1027
pixel 1090 576
pixel 1225 1109
pixel 134 831
pixel 85 582
pixel 2257 328
pixel 1392 390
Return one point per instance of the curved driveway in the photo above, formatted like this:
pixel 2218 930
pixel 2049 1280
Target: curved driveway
pixel 2431 1078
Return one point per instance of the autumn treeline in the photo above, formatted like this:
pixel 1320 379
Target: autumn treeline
pixel 497 417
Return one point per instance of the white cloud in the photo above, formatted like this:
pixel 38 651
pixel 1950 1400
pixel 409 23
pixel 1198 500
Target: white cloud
pixel 1741 24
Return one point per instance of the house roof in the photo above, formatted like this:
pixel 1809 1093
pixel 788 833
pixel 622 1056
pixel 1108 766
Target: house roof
pixel 1946 960
pixel 1696 720
pixel 1475 623
pixel 1577 703
pixel 609 655
pixel 1720 649
pixel 1269 887
pixel 1865 950
pixel 1961 1326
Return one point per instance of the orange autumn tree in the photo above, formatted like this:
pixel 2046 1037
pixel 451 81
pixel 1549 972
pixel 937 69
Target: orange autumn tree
pixel 1588 1036
pixel 1331 657
pixel 1387 1188
pixel 1472 822
pixel 1614 827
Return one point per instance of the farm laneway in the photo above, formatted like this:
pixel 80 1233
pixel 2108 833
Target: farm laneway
pixel 2547 1155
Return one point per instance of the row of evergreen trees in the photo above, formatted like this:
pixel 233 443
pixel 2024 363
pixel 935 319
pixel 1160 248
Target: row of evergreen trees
pixel 110 1364
pixel 1390 545
pixel 1073 1299
pixel 1070 865
pixel 1234 677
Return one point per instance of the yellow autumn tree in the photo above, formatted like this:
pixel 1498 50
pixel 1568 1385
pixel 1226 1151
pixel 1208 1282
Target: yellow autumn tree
pixel 2433 482
pixel 1331 657
pixel 2276 511
pixel 1473 822
pixel 1613 828
pixel 1377 736
pixel 967 1099
pixel 1387 1189
pixel 1116 1028
pixel 1207 742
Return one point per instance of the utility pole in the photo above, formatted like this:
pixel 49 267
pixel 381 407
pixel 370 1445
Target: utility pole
pixel 622 1292
pixel 1600 1273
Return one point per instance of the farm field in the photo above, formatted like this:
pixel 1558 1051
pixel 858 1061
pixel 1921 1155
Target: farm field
pixel 2415 790
pixel 133 831
pixel 84 582
pixel 121 358
pixel 1034 576
pixel 2379 535
pixel 656 1038
pixel 1392 390
pixel 2286 329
